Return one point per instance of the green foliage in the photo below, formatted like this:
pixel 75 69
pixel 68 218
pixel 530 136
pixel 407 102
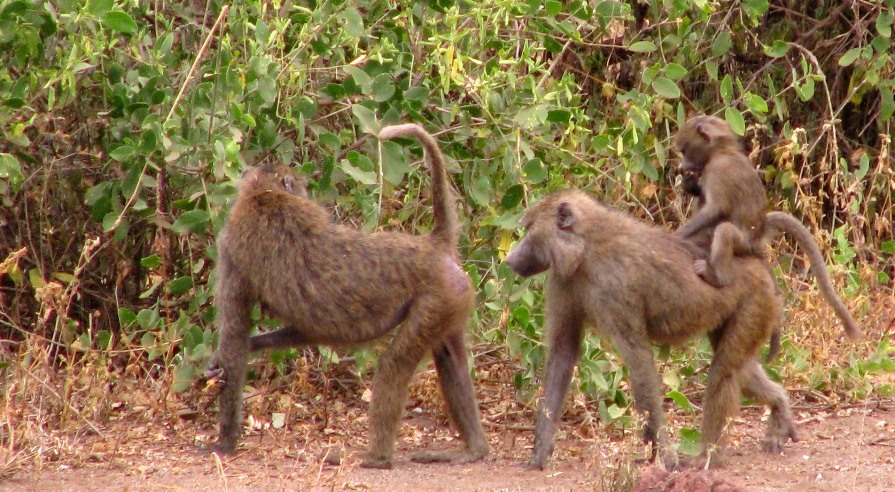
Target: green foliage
pixel 115 119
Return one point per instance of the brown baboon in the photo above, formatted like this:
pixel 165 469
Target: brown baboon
pixel 331 284
pixel 731 217
pixel 635 284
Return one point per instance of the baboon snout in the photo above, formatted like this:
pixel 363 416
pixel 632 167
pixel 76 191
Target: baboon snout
pixel 524 261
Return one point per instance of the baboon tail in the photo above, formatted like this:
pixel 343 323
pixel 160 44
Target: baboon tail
pixel 782 221
pixel 445 230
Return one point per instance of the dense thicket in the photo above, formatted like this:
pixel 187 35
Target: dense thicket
pixel 123 131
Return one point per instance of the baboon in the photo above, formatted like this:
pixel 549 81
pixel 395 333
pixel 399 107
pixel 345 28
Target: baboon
pixel 635 283
pixel 335 285
pixel 731 218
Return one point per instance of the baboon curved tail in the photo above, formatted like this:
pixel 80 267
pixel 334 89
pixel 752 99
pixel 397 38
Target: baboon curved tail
pixel 445 231
pixel 782 221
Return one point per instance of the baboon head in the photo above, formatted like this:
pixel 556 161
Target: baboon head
pixel 697 141
pixel 553 236
pixel 270 177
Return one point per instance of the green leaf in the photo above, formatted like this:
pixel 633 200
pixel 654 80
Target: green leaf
pixel 689 443
pixel 361 78
pixel 681 400
pixel 735 119
pixel 888 247
pixel 884 23
pixel 675 72
pixel 727 89
pixel 148 319
pixel 368 178
pixel 755 103
pixel 535 171
pixel 99 8
pixel 394 162
pixel 559 116
pixel 480 191
pixel 721 44
pixel 152 261
pixel 353 23
pixel 642 47
pixel 382 88
pixel 512 197
pixel 776 49
pixel 122 153
pixel 191 222
pixel 367 119
pixel 120 22
pixel 887 105
pixel 184 377
pixel 849 57
pixel 552 7
pixel 666 88
pixel 11 170
pixel 179 285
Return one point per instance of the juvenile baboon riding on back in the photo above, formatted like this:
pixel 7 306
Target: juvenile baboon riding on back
pixel 731 217
pixel 331 284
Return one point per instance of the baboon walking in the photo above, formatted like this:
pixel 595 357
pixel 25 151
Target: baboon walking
pixel 731 217
pixel 635 284
pixel 335 285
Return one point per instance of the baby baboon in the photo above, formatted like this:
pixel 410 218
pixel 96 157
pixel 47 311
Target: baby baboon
pixel 732 201
pixel 635 284
pixel 331 284
pixel 731 218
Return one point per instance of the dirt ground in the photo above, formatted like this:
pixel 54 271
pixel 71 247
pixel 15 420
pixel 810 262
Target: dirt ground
pixel 848 448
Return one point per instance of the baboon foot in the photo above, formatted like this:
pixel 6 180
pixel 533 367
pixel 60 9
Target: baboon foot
pixel 709 274
pixel 452 457
pixel 223 447
pixel 715 459
pixel 380 462
pixel 536 464
pixel 773 442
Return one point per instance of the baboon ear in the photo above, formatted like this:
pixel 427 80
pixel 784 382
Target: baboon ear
pixel 709 131
pixel 565 217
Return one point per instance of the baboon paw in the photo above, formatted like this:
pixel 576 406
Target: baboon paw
pixel 453 458
pixel 217 373
pixel 536 464
pixel 379 462
pixel 775 443
pixel 222 448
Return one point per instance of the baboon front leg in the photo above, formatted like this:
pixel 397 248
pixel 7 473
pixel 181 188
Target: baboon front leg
pixel 230 361
pixel 459 394
pixel 781 425
pixel 564 335
pixel 646 385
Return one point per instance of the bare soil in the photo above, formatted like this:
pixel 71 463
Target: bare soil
pixel 843 448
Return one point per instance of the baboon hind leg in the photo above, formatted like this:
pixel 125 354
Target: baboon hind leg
pixel 781 425
pixel 728 240
pixel 392 378
pixel 459 394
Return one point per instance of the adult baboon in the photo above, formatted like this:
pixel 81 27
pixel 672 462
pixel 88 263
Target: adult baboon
pixel 731 218
pixel 635 284
pixel 335 285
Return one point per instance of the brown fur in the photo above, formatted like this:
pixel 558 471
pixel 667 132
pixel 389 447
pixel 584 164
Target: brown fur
pixel 731 218
pixel 331 284
pixel 635 284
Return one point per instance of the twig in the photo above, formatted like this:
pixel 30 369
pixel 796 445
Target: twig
pixel 202 50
